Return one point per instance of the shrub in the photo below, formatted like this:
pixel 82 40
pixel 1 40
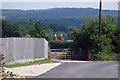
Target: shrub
pixel 97 46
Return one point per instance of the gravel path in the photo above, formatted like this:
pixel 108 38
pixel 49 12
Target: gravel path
pixel 32 70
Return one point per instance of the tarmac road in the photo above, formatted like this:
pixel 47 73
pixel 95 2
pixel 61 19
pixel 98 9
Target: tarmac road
pixel 83 70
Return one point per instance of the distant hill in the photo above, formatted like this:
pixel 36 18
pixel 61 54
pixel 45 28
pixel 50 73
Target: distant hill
pixel 60 16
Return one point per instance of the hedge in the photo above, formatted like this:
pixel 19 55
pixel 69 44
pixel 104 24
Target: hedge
pixel 59 44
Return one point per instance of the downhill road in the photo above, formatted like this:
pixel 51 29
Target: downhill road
pixel 83 70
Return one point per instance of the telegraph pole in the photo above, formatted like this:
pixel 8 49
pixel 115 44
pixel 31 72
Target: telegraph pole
pixel 100 17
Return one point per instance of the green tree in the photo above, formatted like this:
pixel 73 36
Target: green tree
pixel 15 29
pixel 38 29
pixel 50 33
pixel 88 40
pixel 116 40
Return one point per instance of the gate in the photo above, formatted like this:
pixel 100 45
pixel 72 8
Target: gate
pixel 64 54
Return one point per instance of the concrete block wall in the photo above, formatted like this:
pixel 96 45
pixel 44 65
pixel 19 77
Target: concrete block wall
pixel 23 48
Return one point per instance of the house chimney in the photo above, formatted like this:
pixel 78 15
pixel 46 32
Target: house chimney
pixel 55 37
pixel 61 38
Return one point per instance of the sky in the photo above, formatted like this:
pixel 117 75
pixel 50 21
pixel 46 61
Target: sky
pixel 59 0
pixel 46 4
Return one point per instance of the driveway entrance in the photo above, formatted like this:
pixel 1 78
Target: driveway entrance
pixel 83 70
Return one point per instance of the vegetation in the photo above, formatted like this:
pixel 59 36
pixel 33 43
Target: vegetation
pixel 104 47
pixel 59 44
pixel 10 29
pixel 33 29
pixel 31 63
pixel 38 29
pixel 15 21
pixel 60 16
pixel 85 36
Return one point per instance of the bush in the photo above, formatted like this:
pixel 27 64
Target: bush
pixel 97 46
pixel 105 57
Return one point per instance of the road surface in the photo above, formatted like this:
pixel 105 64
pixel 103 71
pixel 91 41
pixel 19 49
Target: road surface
pixel 83 70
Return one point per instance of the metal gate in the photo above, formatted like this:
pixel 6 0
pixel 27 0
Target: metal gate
pixel 63 54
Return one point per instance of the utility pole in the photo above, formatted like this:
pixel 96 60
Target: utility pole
pixel 100 17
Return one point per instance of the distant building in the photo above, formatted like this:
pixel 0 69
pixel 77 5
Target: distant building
pixel 55 37
pixel 61 38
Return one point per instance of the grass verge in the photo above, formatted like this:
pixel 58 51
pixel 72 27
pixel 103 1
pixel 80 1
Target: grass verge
pixel 31 63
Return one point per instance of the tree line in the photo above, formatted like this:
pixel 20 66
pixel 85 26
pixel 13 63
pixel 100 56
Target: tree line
pixel 33 29
pixel 94 47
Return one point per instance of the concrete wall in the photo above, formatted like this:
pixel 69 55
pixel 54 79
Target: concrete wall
pixel 23 48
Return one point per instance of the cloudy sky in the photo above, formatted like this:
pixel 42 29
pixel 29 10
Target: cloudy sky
pixel 45 4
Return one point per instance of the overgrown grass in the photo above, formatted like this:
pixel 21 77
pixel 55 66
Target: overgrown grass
pixel 30 63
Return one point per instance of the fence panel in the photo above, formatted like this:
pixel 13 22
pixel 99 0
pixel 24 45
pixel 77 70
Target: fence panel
pixel 23 48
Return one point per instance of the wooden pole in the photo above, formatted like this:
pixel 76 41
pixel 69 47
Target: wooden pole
pixel 100 17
